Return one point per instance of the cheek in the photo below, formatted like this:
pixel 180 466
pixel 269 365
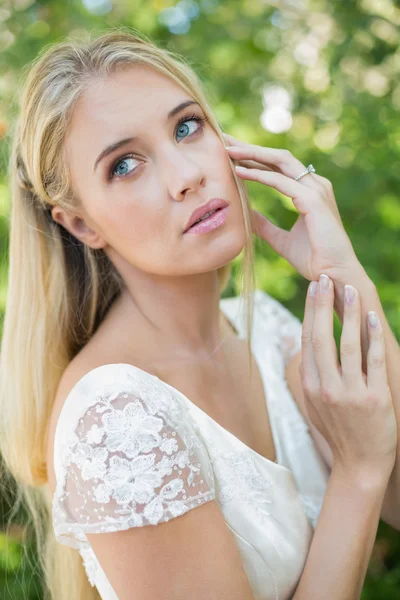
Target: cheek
pixel 138 225
pixel 148 242
pixel 139 228
pixel 219 160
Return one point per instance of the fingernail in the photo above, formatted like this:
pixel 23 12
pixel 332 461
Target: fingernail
pixel 349 294
pixel 323 283
pixel 312 288
pixel 239 168
pixel 372 318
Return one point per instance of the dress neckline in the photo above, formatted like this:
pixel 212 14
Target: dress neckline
pixel 240 335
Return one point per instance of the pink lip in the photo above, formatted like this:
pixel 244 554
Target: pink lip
pixel 212 222
pixel 213 204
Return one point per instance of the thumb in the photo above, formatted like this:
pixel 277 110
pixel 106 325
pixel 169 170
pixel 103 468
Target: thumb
pixel 270 233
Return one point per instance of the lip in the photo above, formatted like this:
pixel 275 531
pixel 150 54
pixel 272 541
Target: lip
pixel 213 204
pixel 209 224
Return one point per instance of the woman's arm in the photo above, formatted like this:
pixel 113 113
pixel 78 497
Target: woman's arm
pixel 370 301
pixel 343 539
pixel 390 513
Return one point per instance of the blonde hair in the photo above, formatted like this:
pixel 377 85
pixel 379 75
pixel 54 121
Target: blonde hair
pixel 59 290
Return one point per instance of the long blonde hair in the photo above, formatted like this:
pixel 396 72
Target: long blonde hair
pixel 59 290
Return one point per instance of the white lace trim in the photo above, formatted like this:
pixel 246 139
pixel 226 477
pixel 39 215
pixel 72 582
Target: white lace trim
pixel 135 458
pixel 130 462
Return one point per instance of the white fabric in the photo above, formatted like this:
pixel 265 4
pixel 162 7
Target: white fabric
pixel 130 450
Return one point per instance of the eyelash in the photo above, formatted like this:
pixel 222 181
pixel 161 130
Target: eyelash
pixel 200 119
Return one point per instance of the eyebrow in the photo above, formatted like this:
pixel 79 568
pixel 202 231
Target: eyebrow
pixel 116 145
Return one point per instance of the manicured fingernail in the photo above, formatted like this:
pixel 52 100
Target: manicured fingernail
pixel 372 318
pixel 240 169
pixel 312 288
pixel 323 283
pixel 349 294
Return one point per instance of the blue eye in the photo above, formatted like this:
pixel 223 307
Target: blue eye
pixel 116 167
pixel 116 172
pixel 200 120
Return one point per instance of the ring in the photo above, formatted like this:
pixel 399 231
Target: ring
pixel 310 169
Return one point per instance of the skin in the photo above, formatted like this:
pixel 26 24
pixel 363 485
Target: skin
pixel 171 294
pixel 171 290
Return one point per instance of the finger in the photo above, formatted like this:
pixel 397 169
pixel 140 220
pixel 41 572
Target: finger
pixel 321 182
pixel 248 163
pixel 233 141
pixel 309 365
pixel 350 341
pixel 322 336
pixel 251 164
pixel 376 357
pixel 284 160
pixel 300 194
pixel 275 236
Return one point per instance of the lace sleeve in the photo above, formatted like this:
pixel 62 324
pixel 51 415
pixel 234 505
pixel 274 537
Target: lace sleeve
pixel 133 459
pixel 289 327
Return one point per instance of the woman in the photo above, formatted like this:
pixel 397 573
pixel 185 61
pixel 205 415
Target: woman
pixel 126 379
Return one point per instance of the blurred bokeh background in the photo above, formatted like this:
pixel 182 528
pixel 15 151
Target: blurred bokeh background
pixel 319 77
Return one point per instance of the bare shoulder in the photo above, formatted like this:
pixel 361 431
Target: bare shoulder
pixel 93 355
pixel 75 370
pixel 107 346
pixel 174 555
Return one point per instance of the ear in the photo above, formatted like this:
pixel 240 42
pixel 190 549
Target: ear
pixel 77 226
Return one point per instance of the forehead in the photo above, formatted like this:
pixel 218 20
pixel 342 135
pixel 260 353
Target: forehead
pixel 118 105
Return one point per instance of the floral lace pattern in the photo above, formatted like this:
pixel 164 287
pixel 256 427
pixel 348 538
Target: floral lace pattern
pixel 90 563
pixel 130 464
pixel 238 476
pixel 130 454
pixel 283 330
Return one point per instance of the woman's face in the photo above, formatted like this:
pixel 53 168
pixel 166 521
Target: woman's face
pixel 137 198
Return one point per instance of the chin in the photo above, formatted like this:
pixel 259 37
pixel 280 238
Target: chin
pixel 230 248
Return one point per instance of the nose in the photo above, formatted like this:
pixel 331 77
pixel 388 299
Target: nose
pixel 183 174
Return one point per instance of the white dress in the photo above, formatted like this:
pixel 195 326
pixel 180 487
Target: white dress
pixel 131 450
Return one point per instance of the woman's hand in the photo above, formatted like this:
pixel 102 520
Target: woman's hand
pixel 317 242
pixel 353 410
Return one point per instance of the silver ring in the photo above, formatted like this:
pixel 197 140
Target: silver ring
pixel 310 169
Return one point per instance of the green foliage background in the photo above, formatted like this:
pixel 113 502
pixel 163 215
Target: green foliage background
pixel 339 62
